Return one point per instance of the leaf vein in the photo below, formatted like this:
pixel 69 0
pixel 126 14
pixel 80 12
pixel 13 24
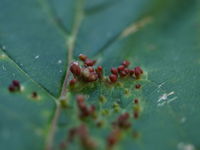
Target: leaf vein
pixel 70 44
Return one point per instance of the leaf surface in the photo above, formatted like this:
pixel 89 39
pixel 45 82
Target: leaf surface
pixel 39 38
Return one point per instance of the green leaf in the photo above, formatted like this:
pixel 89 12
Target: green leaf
pixel 38 41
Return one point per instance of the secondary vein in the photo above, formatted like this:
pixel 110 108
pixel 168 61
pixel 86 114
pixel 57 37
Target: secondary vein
pixel 53 17
pixel 130 29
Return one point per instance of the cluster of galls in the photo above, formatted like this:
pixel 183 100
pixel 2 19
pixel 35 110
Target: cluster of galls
pixel 14 86
pixel 84 110
pixel 119 125
pixel 122 123
pixel 124 71
pixel 87 73
pixel 80 132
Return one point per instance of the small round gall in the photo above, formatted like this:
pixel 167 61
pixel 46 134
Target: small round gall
pixel 89 62
pixel 11 88
pixel 123 117
pixel 120 68
pixel 113 78
pixel 138 72
pixel 138 86
pixel 136 101
pixel 34 95
pixel 114 71
pixel 139 69
pixel 136 115
pixel 16 83
pixel 75 69
pixel 99 69
pixel 125 63
pixel 113 138
pixel 111 141
pixel 82 57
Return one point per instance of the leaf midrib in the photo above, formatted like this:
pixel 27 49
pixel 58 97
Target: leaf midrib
pixel 70 44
